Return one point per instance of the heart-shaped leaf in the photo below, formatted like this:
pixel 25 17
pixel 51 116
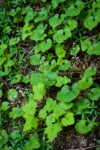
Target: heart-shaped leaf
pixel 85 83
pixel 94 94
pixel 38 33
pixel 61 35
pixel 56 20
pixel 41 15
pixel 75 8
pixel 84 127
pixel 43 46
pixel 91 22
pixel 61 81
pixel 66 95
pixel 68 119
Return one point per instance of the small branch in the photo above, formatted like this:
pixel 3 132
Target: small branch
pixel 91 147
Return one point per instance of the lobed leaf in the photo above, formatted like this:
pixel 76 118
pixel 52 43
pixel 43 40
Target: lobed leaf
pixel 39 91
pixel 52 131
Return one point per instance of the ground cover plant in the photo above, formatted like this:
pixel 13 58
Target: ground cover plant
pixel 49 71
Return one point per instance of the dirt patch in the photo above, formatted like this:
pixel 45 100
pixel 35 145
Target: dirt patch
pixel 68 139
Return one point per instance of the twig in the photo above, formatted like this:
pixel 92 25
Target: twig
pixel 91 147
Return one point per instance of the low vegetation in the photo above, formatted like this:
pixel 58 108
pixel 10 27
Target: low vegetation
pixel 49 71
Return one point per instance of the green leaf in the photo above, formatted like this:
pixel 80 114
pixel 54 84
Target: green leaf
pixel 84 127
pixel 4 106
pixel 29 16
pixel 92 49
pixel 72 24
pixel 15 134
pixel 86 80
pixel 48 66
pixel 89 72
pixel 27 9
pixel 9 63
pixel 85 83
pixel 5 72
pixel 36 78
pixel 50 78
pixel 16 78
pixel 50 105
pixel 61 35
pixel 15 113
pixel 29 109
pixel 62 107
pixel 2 60
pixel 60 52
pixel 6 147
pixel 91 22
pixel 72 11
pixel 42 114
pixel 68 119
pixel 65 106
pixel 44 1
pixel 32 144
pixel 26 79
pixel 66 95
pixel 7 30
pixel 63 64
pixel 12 94
pixel 94 94
pixel 74 50
pixel 14 41
pixel 81 105
pixel 75 8
pixel 50 119
pixel 85 45
pixel 17 16
pixel 26 30
pixel 38 33
pixel 95 50
pixel 3 138
pixel 55 3
pixel 61 81
pixel 35 59
pixel 96 4
pixel 39 91
pixel 57 113
pixel 3 47
pixel 41 15
pixel 1 93
pixel 31 122
pixel 56 20
pixel 52 131
pixel 13 12
pixel 43 46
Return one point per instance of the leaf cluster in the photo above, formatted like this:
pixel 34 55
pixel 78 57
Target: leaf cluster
pixel 38 95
